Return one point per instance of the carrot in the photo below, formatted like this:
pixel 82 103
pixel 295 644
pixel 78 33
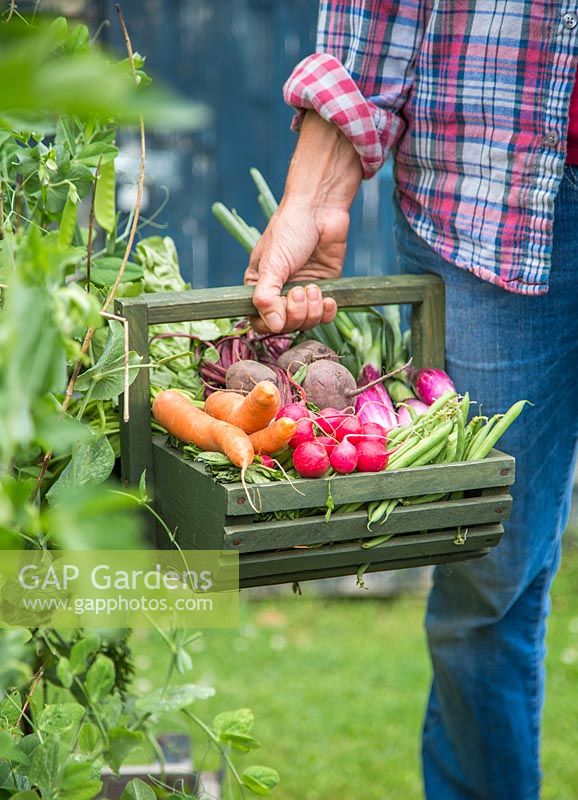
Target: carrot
pixel 182 419
pixel 274 436
pixel 251 412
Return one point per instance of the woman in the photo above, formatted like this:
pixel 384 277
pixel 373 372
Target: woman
pixel 472 98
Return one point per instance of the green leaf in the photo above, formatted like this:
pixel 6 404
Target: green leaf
pixel 173 698
pixel 240 742
pixel 64 672
pixel 60 434
pixel 86 514
pixel 233 727
pixel 45 766
pixel 104 270
pixel 104 197
pixel 121 742
pixel 10 708
pixel 78 782
pixel 81 651
pixel 77 40
pixel 100 678
pixel 260 780
pixel 110 383
pixel 97 152
pixel 9 749
pixel 206 329
pixel 58 718
pixel 142 488
pixel 28 794
pixel 137 790
pixel 239 721
pixel 90 464
pixel 108 372
pixel 89 739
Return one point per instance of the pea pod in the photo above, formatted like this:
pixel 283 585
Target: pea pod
pixel 450 454
pixel 477 440
pixel 440 403
pixel 423 498
pixel 471 430
pixel 497 431
pixel 378 511
pixel 398 435
pixel 430 455
pixel 104 200
pixel 422 448
pixel 461 427
pixel 69 218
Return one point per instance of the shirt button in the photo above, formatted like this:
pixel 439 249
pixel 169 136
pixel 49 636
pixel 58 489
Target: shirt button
pixel 551 139
pixel 570 20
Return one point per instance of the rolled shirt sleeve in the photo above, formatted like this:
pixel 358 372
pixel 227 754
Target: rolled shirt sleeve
pixel 362 72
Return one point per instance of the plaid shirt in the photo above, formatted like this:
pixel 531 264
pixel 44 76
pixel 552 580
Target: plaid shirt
pixel 472 96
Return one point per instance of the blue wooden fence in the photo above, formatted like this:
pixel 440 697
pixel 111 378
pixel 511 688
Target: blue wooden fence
pixel 233 55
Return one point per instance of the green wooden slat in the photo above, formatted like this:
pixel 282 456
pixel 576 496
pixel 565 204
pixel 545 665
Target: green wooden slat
pixel 280 534
pixel 233 301
pixel 378 566
pixel 495 470
pixel 194 508
pixel 429 546
pixel 428 328
pixel 135 435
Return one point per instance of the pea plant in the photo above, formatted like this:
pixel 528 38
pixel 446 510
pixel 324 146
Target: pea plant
pixel 68 709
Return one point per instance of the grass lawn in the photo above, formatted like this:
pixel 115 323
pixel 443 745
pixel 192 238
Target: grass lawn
pixel 338 688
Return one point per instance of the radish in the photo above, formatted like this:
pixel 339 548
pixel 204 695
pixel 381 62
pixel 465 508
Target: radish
pixel 404 414
pixel 371 456
pixel 267 461
pixel 304 432
pixel 337 423
pixel 349 425
pixel 294 411
pixel 328 443
pixel 373 429
pixel 369 431
pixel 310 460
pixel 328 419
pixel 430 384
pixel 344 458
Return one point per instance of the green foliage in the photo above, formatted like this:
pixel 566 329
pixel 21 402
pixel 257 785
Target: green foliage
pixel 67 708
pixel 261 780
pixel 50 69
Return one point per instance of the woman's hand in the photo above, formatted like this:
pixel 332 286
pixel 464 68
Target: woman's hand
pixel 306 238
pixel 299 244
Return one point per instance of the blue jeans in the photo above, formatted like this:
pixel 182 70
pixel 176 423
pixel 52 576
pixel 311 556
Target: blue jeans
pixel 486 619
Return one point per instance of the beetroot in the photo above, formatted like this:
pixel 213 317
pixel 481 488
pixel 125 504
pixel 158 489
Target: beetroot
pixel 344 458
pixel 242 376
pixel 371 456
pixel 305 353
pixel 310 460
pixel 329 384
